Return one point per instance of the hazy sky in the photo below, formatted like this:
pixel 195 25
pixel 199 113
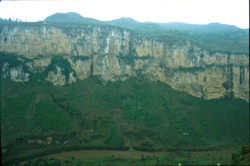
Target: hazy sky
pixel 234 12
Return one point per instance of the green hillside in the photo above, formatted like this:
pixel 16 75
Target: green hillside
pixel 133 114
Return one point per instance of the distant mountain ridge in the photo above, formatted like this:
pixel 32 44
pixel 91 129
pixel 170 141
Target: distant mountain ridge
pixel 69 17
pixel 202 27
pixel 127 21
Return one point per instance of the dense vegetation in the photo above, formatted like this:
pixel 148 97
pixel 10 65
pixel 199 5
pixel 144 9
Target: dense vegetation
pixel 133 114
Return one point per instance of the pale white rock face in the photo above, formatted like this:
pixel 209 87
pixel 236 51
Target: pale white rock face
pixel 111 68
pixel 182 65
pixel 241 59
pixel 57 78
pixel 81 67
pixel 72 79
pixel 241 81
pixel 80 40
pixel 107 67
pixel 18 75
pixel 5 70
pixel 107 47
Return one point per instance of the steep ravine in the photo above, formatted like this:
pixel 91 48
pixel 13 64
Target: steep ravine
pixel 74 52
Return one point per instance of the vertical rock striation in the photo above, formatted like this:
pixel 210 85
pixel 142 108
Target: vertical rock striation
pixel 117 54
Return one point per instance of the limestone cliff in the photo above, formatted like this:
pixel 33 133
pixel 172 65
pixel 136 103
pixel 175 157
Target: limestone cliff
pixel 118 54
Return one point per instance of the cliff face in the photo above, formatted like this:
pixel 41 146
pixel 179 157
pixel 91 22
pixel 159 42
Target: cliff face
pixel 70 53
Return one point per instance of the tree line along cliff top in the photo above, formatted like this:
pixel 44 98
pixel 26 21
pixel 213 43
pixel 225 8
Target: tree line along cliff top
pixel 213 36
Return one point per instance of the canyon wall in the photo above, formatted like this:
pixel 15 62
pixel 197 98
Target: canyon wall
pixel 68 53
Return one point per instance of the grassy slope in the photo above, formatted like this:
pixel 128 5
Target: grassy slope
pixel 135 113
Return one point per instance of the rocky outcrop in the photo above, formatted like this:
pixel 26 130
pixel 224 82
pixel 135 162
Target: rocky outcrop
pixel 69 39
pixel 81 67
pixel 57 78
pixel 116 54
pixel 16 74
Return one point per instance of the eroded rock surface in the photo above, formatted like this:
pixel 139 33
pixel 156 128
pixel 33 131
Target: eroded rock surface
pixel 115 54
